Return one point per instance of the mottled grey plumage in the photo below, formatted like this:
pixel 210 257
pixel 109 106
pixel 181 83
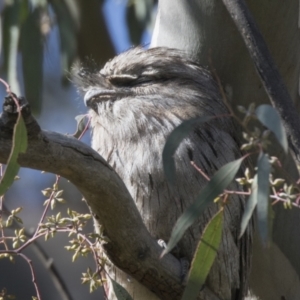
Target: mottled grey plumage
pixel 137 99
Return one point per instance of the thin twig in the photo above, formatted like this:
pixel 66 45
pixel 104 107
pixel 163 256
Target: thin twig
pixel 200 171
pixel 279 199
pixel 47 207
pixel 32 275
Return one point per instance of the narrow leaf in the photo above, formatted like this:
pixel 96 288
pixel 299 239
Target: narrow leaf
pixel 32 42
pixel 19 146
pixel 81 123
pixel 135 25
pixel 13 14
pixel 204 257
pixel 269 117
pixel 263 191
pixel 214 188
pixel 250 206
pixel 120 292
pixel 138 15
pixel 173 142
pixel 68 34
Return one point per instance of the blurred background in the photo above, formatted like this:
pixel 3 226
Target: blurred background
pixel 40 41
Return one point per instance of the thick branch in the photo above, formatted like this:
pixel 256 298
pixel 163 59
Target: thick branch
pixel 266 68
pixel 130 246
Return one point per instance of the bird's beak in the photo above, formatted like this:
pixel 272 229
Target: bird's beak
pixel 97 94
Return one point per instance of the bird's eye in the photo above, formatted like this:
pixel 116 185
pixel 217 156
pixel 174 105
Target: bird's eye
pixel 123 79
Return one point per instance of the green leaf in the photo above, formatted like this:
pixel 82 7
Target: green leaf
pixel 263 191
pixel 270 118
pixel 250 206
pixel 36 3
pixel 68 34
pixel 81 124
pixel 173 142
pixel 138 15
pixel 19 145
pixel 135 26
pixel 120 292
pixel 13 17
pixel 214 188
pixel 32 42
pixel 204 257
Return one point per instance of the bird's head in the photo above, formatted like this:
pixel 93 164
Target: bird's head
pixel 152 75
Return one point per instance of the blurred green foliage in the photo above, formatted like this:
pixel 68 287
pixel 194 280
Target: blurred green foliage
pixel 27 23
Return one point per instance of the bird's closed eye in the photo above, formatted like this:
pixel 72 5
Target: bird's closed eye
pixel 123 79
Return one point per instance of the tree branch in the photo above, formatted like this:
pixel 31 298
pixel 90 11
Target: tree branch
pixel 266 68
pixel 130 246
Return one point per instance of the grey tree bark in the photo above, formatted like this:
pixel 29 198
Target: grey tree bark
pixel 205 30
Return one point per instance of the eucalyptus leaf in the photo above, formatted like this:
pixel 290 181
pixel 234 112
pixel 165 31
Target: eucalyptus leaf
pixel 263 192
pixel 68 34
pixel 250 206
pixel 19 145
pixel 81 123
pixel 270 118
pixel 173 142
pixel 138 15
pixel 40 3
pixel 204 256
pixel 32 42
pixel 120 292
pixel 136 27
pixel 214 188
pixel 14 15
